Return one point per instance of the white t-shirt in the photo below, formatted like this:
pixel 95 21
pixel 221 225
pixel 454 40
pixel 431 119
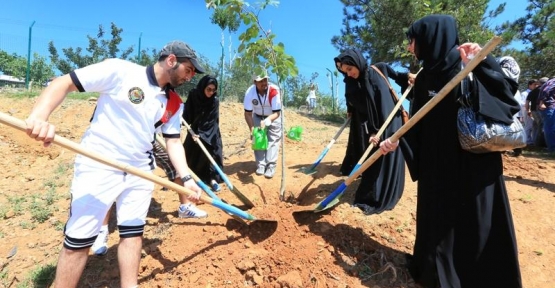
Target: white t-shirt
pixel 311 94
pixel 129 106
pixel 262 105
pixel 521 101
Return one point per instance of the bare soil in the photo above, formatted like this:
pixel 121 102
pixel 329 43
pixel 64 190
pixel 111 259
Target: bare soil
pixel 339 247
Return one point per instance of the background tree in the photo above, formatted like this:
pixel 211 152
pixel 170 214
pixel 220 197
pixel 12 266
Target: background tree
pixel 537 31
pixel 257 47
pixel 377 27
pixel 257 44
pixel 13 64
pixel 99 49
pixel 230 22
pixel 41 70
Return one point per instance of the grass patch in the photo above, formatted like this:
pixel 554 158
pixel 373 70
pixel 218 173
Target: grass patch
pixel 25 94
pixel 538 153
pixel 4 277
pixel 27 225
pixel 3 211
pixel 40 212
pixel 17 204
pixel 59 225
pixel 42 276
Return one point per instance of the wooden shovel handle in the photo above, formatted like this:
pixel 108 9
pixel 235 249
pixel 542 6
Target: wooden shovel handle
pixel 78 148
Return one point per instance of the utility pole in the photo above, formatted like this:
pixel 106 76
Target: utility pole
pixel 29 57
pixel 330 79
pixel 139 50
pixel 336 89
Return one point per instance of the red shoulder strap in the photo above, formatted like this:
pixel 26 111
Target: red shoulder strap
pixel 273 92
pixel 174 101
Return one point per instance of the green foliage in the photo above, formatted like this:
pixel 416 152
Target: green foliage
pixel 238 79
pixel 40 212
pixel 41 71
pixel 16 202
pixel 99 49
pixel 149 56
pixel 368 25
pixel 20 94
pixel 257 44
pixel 225 19
pixel 4 277
pixel 35 93
pixel 3 211
pixel 41 276
pixel 13 64
pixel 537 30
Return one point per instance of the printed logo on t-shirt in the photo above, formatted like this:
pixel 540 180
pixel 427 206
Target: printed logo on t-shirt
pixel 254 102
pixel 136 95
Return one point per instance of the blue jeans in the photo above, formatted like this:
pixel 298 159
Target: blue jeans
pixel 548 116
pixel 537 127
pixel 312 103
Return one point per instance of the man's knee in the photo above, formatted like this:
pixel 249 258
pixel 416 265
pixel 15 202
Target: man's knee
pixel 131 231
pixel 78 244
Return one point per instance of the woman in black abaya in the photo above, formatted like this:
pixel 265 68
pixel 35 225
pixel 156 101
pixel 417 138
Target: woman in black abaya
pixel 202 114
pixel 464 229
pixel 357 142
pixel 370 103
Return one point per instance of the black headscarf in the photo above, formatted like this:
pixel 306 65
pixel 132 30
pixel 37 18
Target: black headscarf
pixel 201 112
pixel 436 44
pixel 203 115
pixel 198 95
pixel 360 94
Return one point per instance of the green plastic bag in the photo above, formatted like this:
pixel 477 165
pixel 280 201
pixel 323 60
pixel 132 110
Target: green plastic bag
pixel 295 133
pixel 259 139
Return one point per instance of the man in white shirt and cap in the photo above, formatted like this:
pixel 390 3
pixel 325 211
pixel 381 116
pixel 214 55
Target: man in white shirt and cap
pixel 262 104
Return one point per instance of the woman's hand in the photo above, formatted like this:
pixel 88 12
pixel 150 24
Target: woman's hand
pixel 374 140
pixel 412 78
pixel 388 146
pixel 468 51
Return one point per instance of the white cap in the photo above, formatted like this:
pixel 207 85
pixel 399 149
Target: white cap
pixel 260 77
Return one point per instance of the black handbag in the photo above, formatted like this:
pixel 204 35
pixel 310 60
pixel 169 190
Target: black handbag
pixel 481 134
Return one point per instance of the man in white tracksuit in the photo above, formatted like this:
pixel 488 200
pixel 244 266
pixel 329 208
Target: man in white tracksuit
pixel 262 105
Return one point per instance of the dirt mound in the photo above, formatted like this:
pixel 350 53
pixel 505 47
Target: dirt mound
pixel 339 247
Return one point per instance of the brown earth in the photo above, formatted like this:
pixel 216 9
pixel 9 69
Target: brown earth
pixel 339 247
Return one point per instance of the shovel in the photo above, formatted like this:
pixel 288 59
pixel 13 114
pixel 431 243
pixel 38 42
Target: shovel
pixel 77 148
pixel 199 182
pixel 312 169
pixel 332 199
pixel 232 188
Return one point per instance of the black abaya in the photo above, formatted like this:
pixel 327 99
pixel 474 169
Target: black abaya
pixel 202 114
pixel 464 230
pixel 369 97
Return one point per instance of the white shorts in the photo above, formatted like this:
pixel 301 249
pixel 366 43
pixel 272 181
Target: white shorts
pixel 93 191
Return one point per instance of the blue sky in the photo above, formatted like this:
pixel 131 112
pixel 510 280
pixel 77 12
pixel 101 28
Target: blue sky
pixel 304 26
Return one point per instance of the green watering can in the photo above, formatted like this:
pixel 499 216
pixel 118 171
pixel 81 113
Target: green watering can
pixel 295 133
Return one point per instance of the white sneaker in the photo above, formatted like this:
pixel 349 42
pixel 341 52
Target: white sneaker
pixel 270 171
pixel 100 246
pixel 190 211
pixel 260 170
